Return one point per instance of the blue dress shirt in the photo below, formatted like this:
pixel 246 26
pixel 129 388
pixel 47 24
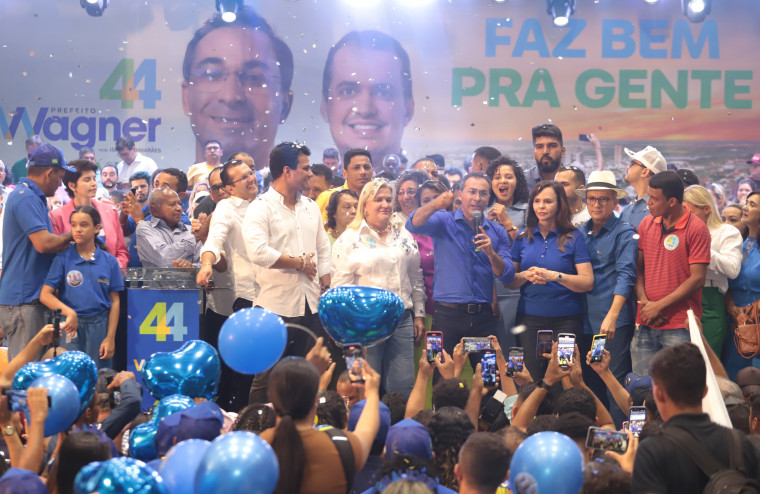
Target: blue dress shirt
pixel 636 211
pixel 462 275
pixel 745 288
pixel 613 254
pixel 550 299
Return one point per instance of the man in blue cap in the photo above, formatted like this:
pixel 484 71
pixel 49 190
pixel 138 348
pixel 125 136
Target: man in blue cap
pixel 29 247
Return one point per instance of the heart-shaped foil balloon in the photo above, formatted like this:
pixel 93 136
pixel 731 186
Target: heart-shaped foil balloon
pixel 193 370
pixel 360 314
pixel 78 367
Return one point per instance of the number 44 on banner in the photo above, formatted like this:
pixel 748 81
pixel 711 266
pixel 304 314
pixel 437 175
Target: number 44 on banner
pixel 166 322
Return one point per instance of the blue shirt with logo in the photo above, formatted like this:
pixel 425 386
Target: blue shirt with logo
pixel 85 284
pixel 24 268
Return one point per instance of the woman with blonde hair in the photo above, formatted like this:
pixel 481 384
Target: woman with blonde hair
pixel 725 263
pixel 375 251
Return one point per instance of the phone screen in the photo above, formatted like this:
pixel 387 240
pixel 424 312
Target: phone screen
pixel 488 368
pixel 607 440
pixel 583 137
pixel 515 362
pixel 637 418
pixel 565 349
pixel 16 400
pixel 597 347
pixel 471 345
pixel 433 345
pixel 354 362
pixel 543 342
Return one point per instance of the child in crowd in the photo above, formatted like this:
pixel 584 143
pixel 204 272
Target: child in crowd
pixel 87 280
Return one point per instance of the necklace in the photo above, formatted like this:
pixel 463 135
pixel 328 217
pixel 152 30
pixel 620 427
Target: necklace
pixel 750 245
pixel 380 232
pixel 578 210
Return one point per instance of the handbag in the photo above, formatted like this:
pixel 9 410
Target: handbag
pixel 747 330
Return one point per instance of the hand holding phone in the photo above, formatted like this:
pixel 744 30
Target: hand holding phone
pixel 354 355
pixel 434 345
pixel 597 348
pixel 488 368
pixel 565 349
pixel 515 361
pixel 607 440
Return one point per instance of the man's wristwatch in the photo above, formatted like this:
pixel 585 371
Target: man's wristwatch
pixel 542 384
pixel 559 277
pixel 9 430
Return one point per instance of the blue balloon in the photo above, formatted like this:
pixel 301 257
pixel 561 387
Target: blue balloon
pixel 180 465
pixel 549 463
pixel 360 314
pixel 252 340
pixel 238 462
pixel 192 370
pixel 118 476
pixel 142 444
pixel 78 367
pixel 169 405
pixel 64 403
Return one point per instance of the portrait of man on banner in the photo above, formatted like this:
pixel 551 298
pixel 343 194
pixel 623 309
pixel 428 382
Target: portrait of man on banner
pixel 367 93
pixel 236 86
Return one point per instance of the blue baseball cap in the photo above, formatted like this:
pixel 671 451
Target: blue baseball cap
pixel 203 421
pixel 48 155
pixel 385 420
pixel 410 438
pixel 633 381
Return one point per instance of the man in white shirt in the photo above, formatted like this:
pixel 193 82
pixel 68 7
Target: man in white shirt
pixel 213 153
pixel 132 161
pixel 285 238
pixel 225 237
pixel 572 178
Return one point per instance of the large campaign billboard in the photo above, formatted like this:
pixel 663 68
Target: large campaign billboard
pixel 412 77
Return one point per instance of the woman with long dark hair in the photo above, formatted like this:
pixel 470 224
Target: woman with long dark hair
pixel 309 459
pixel 553 268
pixel 745 288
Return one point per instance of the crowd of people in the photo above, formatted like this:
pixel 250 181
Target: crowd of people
pixel 494 251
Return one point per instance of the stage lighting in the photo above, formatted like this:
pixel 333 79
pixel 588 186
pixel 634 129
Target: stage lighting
pixel 560 10
pixel 94 8
pixel 229 9
pixel 696 10
pixel 651 2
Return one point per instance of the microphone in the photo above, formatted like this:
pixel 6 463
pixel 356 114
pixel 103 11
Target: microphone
pixel 477 220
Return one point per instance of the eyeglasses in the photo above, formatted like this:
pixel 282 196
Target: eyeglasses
pixel 216 188
pixel 244 177
pixel 211 80
pixel 603 201
pixel 635 163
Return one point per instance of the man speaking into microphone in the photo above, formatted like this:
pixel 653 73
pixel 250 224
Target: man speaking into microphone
pixel 470 251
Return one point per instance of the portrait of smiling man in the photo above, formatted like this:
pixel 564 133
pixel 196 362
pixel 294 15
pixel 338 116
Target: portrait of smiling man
pixel 367 93
pixel 236 86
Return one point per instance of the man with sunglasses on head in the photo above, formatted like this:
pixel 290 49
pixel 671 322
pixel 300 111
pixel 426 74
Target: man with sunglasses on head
pixel 613 250
pixel 643 166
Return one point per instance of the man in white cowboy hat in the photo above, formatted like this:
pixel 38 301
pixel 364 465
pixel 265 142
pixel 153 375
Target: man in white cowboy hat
pixel 643 166
pixel 613 249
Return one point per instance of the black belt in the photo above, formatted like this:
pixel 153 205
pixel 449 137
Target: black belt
pixel 469 308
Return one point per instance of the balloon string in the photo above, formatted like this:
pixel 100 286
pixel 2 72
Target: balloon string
pixel 302 328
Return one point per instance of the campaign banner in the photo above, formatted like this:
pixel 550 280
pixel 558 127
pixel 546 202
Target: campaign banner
pixel 158 321
pixel 393 76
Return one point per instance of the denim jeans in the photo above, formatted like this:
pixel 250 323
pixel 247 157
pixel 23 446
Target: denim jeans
pixel 20 323
pixel 647 341
pixel 393 359
pixel 91 331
